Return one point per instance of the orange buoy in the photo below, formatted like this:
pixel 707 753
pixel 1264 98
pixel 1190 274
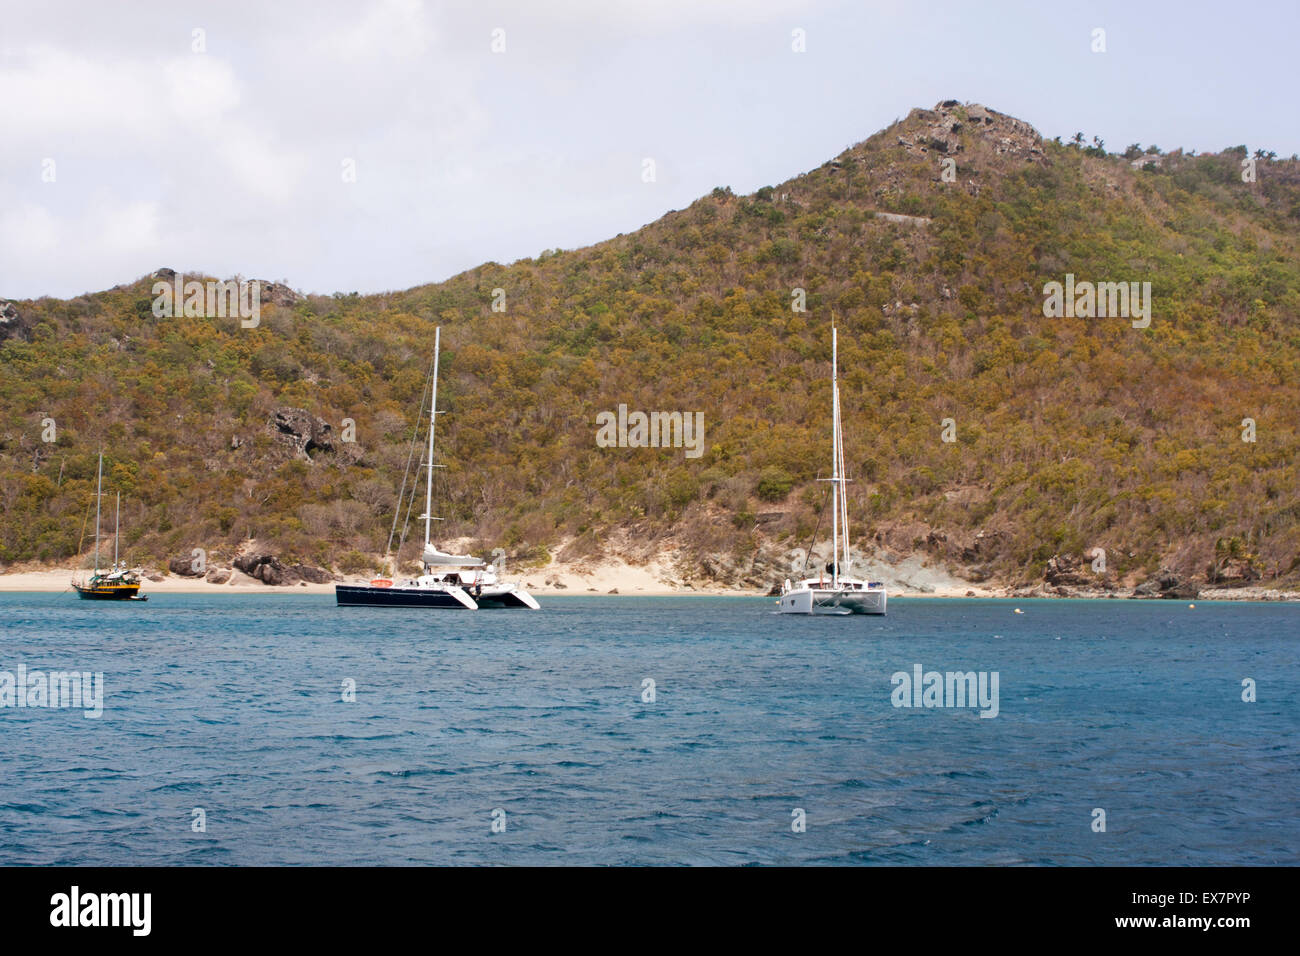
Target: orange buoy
pixel 381 583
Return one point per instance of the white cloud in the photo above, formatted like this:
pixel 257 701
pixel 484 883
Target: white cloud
pixel 202 88
pixel 28 233
pixel 383 31
pixel 49 252
pixel 229 161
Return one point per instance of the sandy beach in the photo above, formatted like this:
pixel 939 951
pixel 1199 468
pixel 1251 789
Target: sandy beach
pixel 611 577
pixel 911 577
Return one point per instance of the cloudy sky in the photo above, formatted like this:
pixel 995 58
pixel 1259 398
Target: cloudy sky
pixel 381 144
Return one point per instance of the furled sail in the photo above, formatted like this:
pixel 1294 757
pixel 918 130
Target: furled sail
pixel 432 556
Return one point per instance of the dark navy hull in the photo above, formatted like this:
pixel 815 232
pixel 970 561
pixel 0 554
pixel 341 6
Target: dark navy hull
pixel 350 595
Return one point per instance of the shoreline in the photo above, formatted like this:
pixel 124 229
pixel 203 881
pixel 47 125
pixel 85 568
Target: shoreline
pixel 617 581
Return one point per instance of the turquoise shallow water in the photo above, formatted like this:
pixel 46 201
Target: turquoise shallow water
pixel 233 705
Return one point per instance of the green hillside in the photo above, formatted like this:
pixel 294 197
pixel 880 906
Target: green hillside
pixel 1070 433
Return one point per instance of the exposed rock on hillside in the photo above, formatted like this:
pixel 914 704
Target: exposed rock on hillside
pixel 940 131
pixel 11 322
pixel 301 430
pixel 277 293
pixel 1066 570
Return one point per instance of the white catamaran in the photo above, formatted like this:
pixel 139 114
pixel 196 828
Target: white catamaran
pixel 449 580
pixel 835 591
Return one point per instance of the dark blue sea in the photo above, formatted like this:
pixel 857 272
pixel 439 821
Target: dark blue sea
pixel 540 723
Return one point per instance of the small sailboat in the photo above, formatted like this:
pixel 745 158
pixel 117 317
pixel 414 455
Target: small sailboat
pixel 835 590
pixel 118 583
pixel 449 580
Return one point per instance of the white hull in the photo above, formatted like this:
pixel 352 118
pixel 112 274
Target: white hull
pixel 827 600
pixel 506 595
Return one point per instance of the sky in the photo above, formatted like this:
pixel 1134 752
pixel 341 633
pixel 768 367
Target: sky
pixel 376 145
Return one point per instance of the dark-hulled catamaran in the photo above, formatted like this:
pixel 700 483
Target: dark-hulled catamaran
pixel 449 580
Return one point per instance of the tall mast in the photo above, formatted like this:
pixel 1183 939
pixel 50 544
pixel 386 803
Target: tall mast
pixel 835 459
pixel 433 418
pixel 844 499
pixel 99 490
pixel 117 524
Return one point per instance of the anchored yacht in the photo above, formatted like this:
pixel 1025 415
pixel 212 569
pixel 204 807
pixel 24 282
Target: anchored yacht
pixel 835 590
pixel 449 580
pixel 119 583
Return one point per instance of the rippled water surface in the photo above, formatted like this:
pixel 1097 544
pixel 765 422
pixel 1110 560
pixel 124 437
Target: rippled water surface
pixel 234 705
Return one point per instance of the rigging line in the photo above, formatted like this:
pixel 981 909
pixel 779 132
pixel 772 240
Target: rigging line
pixel 813 543
pixel 410 503
pixel 406 474
pixel 844 496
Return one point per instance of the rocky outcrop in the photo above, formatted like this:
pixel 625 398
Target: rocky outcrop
pixel 1064 570
pixel 218 575
pixel 311 574
pixel 12 323
pixel 1166 584
pixel 983 548
pixel 185 566
pixel 264 567
pixel 302 431
pixel 274 292
pixel 268 569
pixel 277 293
pixel 756 572
pixel 940 131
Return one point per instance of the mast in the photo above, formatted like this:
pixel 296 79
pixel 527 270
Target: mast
pixel 835 459
pixel 117 524
pixel 99 490
pixel 433 418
